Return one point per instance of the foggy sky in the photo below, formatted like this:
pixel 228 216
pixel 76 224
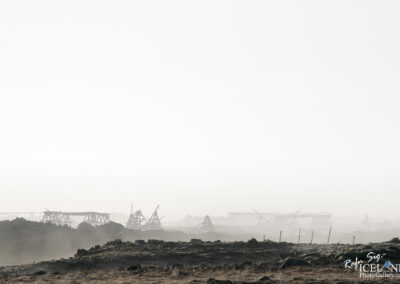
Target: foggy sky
pixel 203 106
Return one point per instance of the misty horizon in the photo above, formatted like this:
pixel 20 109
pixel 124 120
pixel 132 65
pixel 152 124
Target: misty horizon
pixel 203 111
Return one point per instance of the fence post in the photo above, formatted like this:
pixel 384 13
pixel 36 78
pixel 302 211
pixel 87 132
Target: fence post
pixel 298 241
pixel 329 235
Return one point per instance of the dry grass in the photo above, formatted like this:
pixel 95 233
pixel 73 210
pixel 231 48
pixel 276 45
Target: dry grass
pixel 292 275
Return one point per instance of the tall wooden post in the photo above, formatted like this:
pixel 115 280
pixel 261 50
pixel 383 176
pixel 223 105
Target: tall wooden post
pixel 329 235
pixel 298 240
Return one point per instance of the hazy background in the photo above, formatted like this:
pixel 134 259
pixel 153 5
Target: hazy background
pixel 202 106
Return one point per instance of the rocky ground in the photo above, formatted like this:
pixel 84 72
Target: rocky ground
pixel 23 241
pixel 196 261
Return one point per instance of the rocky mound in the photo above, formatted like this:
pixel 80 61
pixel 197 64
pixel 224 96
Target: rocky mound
pixel 23 241
pixel 140 261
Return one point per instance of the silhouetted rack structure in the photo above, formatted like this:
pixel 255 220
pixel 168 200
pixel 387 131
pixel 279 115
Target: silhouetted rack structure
pixel 154 222
pixel 64 218
pixel 136 220
pixel 206 226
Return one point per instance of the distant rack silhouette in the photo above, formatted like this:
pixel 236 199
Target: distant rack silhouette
pixel 64 218
pixel 137 221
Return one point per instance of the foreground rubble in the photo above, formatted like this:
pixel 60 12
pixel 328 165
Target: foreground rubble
pixel 196 261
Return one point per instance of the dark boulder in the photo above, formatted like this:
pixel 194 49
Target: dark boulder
pixel 215 281
pixel 290 262
pixel 134 268
pixel 40 273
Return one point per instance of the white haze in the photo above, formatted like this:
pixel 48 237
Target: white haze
pixel 202 106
